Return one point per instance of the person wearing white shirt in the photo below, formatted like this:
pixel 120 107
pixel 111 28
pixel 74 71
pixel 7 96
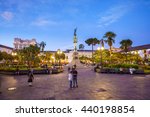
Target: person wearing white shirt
pixel 70 79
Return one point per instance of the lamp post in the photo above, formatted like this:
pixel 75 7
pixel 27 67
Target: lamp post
pixel 14 54
pixel 59 52
pixel 101 55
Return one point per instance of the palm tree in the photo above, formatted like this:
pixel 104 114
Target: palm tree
pixel 102 41
pixel 81 46
pixel 110 40
pixel 42 45
pixel 125 44
pixel 1 57
pixel 93 42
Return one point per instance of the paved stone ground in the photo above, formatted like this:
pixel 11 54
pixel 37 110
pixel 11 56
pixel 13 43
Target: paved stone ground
pixel 92 86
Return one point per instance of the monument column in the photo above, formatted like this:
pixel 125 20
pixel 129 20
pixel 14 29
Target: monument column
pixel 75 53
pixel 75 40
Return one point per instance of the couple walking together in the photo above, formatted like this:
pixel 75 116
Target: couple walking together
pixel 72 77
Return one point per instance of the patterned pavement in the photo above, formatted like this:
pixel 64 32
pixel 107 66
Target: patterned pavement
pixel 92 86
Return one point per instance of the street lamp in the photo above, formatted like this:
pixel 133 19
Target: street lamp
pixel 101 56
pixel 59 52
pixel 14 53
pixel 53 59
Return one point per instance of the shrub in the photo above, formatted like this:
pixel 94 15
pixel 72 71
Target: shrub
pixel 147 67
pixel 147 71
pixel 7 69
pixel 123 66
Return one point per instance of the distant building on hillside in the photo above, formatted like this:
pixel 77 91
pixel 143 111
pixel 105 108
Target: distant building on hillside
pixel 21 43
pixel 6 49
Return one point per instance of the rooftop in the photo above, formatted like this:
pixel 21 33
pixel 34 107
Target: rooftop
pixel 3 46
pixel 142 47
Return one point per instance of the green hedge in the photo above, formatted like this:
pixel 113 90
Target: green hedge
pixel 7 69
pixel 14 69
pixel 123 66
pixel 147 71
pixel 147 67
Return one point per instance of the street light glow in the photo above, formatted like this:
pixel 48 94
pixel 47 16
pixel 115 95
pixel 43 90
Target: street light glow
pixel 59 51
pixel 53 57
pixel 14 53
pixel 98 48
pixel 102 48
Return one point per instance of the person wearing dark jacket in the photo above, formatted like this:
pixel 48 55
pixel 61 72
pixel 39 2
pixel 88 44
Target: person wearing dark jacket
pixel 74 75
pixel 31 77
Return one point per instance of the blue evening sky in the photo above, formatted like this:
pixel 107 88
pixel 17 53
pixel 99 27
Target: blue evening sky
pixel 53 21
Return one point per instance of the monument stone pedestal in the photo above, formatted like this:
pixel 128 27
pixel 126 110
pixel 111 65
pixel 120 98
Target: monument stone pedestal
pixel 75 60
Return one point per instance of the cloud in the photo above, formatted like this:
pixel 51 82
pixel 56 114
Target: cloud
pixel 43 22
pixel 7 15
pixel 113 15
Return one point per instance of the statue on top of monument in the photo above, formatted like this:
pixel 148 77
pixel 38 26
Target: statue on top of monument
pixel 75 31
pixel 75 34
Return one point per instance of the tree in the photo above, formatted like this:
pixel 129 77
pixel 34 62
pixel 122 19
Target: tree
pixel 29 55
pixel 8 58
pixel 93 42
pixel 60 56
pixel 1 57
pixel 46 57
pixel 42 46
pixel 102 41
pixel 105 58
pixel 81 47
pixel 125 44
pixel 110 40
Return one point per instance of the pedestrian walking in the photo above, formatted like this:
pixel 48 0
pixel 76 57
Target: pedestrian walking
pixel 74 75
pixel 30 79
pixel 131 70
pixel 70 79
pixel 32 70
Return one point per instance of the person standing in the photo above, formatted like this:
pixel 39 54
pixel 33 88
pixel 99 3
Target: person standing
pixel 74 74
pixel 30 79
pixel 70 79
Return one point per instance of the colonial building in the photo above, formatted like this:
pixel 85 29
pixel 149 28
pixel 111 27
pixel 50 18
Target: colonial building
pixel 142 50
pixel 6 49
pixel 21 43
